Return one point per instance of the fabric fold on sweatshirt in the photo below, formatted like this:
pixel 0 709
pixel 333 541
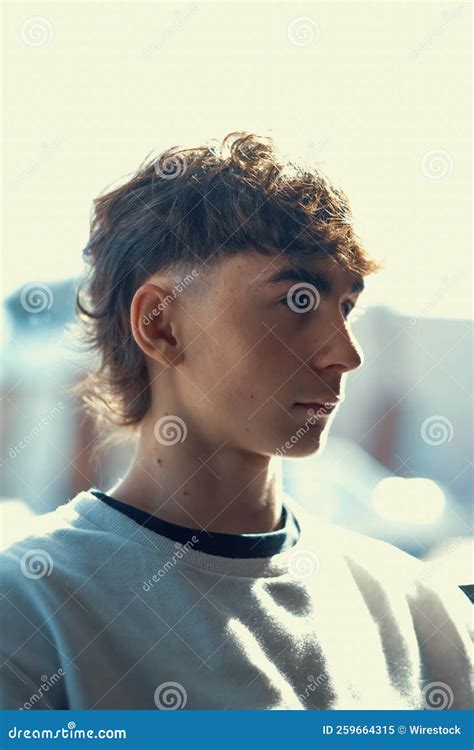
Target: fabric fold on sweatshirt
pixel 100 612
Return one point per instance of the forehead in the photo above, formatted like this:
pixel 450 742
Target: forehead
pixel 266 273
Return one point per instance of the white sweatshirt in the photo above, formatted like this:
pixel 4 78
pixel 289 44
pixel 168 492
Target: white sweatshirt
pixel 98 612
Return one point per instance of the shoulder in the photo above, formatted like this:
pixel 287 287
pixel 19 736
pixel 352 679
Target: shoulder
pixel 45 532
pixel 29 562
pixel 408 600
pixel 34 583
pixel 376 557
pixel 386 574
pixel 54 548
pixel 365 555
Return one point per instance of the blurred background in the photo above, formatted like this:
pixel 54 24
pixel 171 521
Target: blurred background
pixel 380 96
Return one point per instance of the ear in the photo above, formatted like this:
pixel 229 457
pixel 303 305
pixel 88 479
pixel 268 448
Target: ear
pixel 153 323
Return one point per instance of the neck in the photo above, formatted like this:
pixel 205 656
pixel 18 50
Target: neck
pixel 198 485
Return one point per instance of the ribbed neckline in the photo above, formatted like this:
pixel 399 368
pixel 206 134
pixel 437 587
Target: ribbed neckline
pixel 101 515
pixel 238 546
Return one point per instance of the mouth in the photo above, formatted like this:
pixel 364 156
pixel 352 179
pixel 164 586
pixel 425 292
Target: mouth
pixel 319 409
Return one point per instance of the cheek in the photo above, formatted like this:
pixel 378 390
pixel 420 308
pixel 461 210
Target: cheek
pixel 253 373
pixel 243 359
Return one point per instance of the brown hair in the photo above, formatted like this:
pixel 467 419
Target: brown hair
pixel 186 209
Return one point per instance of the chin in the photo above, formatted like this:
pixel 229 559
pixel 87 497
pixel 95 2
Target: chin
pixel 303 448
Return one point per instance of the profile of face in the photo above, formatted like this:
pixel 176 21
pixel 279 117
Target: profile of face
pixel 254 348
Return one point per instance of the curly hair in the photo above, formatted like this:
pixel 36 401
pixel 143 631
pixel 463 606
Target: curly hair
pixel 188 208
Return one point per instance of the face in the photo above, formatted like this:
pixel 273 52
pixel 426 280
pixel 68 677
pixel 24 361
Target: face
pixel 261 343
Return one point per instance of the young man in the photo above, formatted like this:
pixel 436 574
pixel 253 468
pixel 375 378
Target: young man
pixel 221 280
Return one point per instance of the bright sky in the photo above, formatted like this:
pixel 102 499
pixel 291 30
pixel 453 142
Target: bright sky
pixel 377 92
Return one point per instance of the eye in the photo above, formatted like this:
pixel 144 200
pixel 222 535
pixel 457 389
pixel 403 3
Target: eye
pixel 355 312
pixel 348 307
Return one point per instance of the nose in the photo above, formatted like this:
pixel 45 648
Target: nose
pixel 339 350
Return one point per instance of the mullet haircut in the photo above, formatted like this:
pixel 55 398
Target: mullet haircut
pixel 183 212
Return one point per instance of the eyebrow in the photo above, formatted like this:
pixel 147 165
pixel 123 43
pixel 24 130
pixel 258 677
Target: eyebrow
pixel 315 278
